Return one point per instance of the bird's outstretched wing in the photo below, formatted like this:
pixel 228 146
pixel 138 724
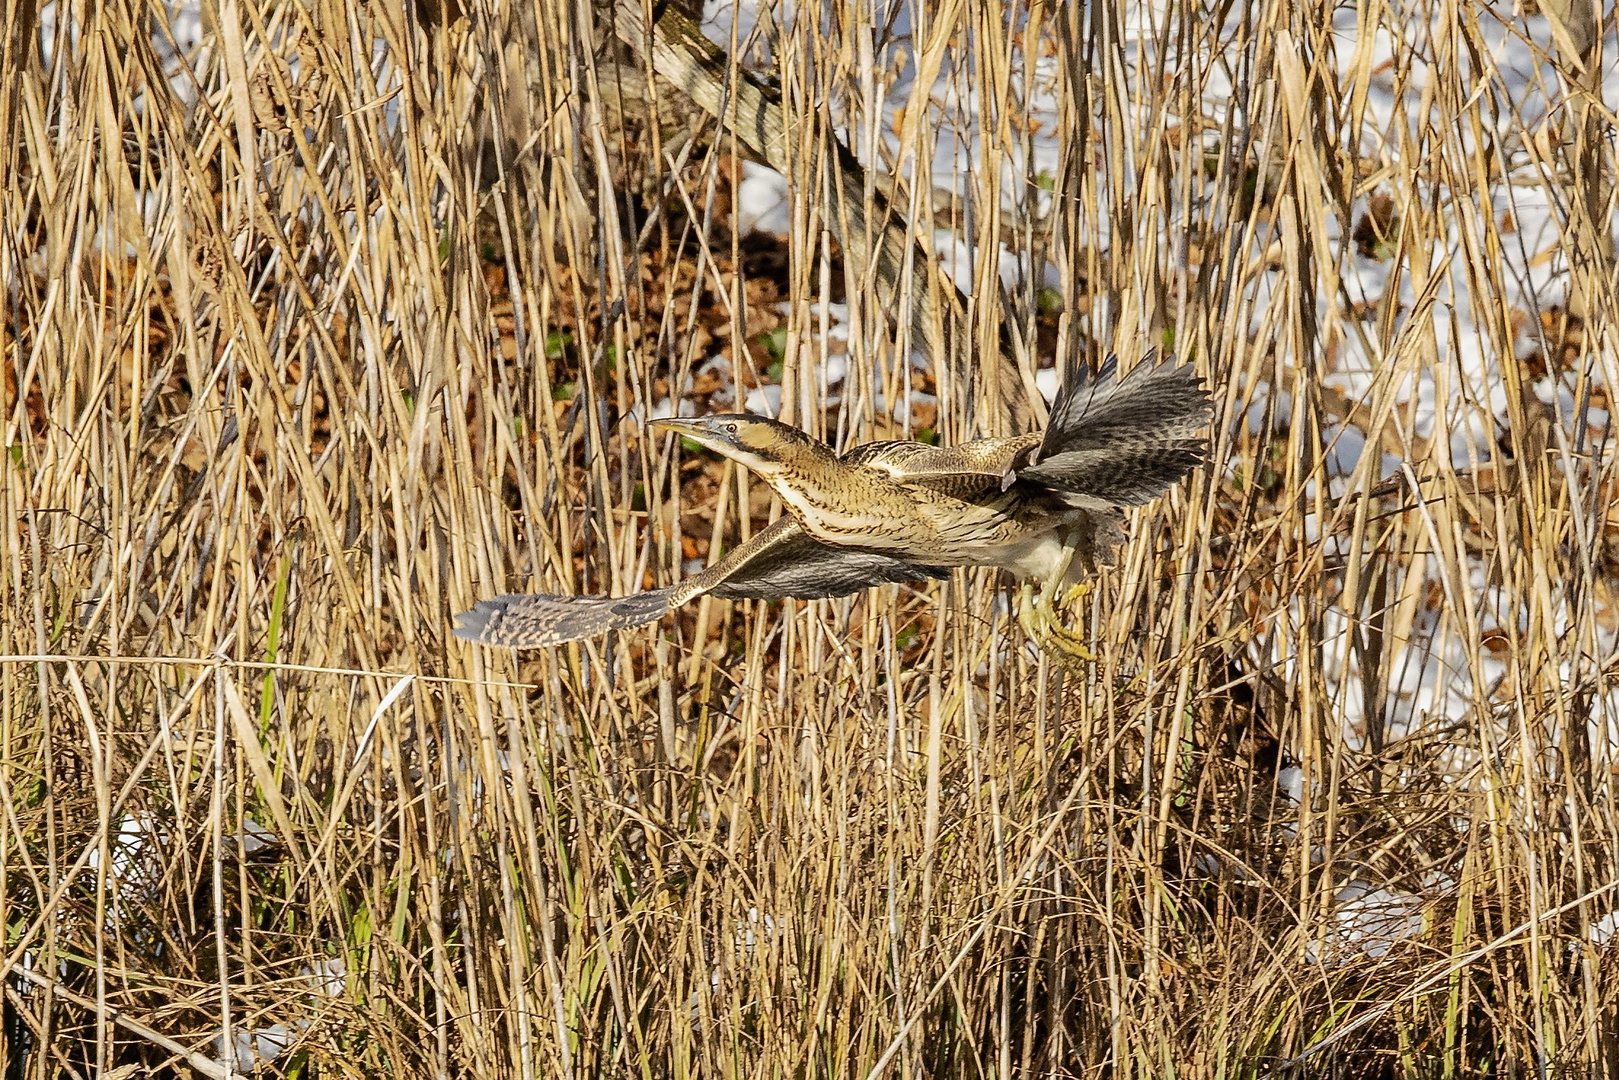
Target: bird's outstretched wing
pixel 780 561
pixel 784 560
pixel 1111 441
pixel 1123 441
pixel 531 621
pixel 962 472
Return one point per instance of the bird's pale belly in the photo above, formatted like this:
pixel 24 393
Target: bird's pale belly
pixel 1026 549
pixel 938 531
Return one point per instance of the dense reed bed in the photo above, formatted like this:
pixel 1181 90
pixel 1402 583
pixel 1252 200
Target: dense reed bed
pixel 323 320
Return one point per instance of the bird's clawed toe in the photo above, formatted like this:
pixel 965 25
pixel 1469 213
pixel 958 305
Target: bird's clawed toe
pixel 1045 623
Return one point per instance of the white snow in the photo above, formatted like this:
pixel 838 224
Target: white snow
pixel 254 1046
pixel 1369 921
pixel 761 201
pixel 1048 381
pixel 764 400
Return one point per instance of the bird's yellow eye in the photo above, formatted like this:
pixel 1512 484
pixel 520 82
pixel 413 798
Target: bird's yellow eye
pixel 731 428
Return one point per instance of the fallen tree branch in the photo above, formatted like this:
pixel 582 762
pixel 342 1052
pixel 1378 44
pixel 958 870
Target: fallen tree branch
pixel 681 54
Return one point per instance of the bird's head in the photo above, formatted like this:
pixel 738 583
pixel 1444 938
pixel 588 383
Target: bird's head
pixel 766 446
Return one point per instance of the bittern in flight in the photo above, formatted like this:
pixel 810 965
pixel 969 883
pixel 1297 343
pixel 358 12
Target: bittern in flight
pixel 903 511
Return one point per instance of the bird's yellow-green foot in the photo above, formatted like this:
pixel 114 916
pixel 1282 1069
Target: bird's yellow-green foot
pixel 1047 621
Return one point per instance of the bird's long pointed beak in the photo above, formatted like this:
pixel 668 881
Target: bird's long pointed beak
pixel 686 425
pixel 694 428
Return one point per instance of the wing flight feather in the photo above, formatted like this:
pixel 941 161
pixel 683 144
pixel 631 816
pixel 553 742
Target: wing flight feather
pixel 779 561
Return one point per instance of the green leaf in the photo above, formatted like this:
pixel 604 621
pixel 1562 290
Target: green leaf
pixel 1389 246
pixel 278 610
pixel 557 342
pixel 1046 180
pixel 775 343
pixel 562 392
pixel 1049 301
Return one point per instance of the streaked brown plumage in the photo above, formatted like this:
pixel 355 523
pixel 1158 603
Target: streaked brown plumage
pixel 901 511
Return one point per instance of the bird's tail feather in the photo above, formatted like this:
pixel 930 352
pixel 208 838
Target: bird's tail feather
pixel 530 622
pixel 1124 440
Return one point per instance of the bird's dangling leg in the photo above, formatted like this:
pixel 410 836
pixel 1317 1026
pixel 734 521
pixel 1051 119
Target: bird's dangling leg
pixel 1044 622
pixel 1028 613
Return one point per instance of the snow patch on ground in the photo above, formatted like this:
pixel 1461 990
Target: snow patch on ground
pixel 1367 921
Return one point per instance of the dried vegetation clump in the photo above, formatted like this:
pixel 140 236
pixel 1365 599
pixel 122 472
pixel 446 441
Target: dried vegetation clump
pixel 322 322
